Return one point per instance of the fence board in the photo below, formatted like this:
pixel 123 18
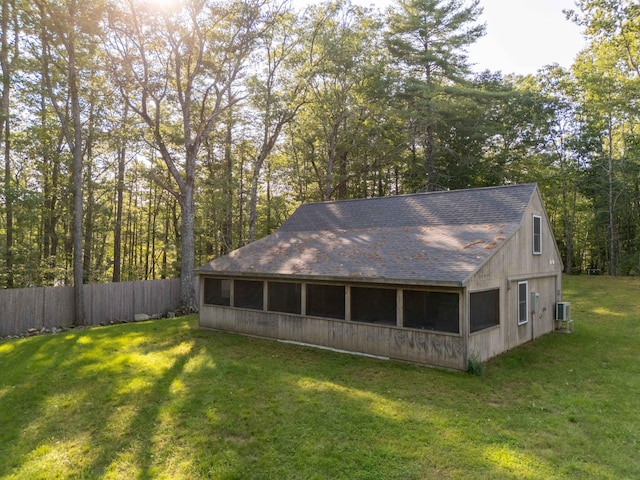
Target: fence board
pixel 145 294
pixel 25 308
pixel 20 310
pixel 59 308
pixel 108 301
pixel 6 307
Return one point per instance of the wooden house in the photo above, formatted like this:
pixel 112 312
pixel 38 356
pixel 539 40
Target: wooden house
pixel 434 278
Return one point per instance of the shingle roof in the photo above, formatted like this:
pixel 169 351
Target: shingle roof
pixel 440 237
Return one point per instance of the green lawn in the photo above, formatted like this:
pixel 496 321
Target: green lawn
pixel 165 400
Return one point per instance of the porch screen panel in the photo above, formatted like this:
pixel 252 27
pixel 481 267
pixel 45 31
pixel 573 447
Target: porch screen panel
pixel 485 309
pixel 438 311
pixel 373 305
pixel 284 297
pixel 325 301
pixel 248 294
pixel 217 291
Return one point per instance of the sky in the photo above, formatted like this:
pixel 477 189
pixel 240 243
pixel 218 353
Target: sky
pixel 522 35
pixel 525 35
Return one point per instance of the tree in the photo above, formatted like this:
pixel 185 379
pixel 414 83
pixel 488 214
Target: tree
pixel 276 92
pixel 9 52
pixel 336 128
pixel 608 72
pixel 177 72
pixel 427 39
pixel 615 22
pixel 68 34
pixel 121 154
pixel 565 144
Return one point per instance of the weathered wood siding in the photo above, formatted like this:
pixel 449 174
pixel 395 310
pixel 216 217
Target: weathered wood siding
pixel 441 350
pixel 25 308
pixel 512 263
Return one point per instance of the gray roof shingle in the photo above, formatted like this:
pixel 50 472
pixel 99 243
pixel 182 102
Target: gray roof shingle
pixel 437 237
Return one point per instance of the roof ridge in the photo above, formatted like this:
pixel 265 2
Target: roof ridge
pixel 420 238
pixel 451 207
pixel 419 194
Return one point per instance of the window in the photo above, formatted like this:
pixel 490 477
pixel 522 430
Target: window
pixel 325 301
pixel 217 291
pixel 284 297
pixel 374 305
pixel 537 234
pixel 248 294
pixel 523 307
pixel 485 309
pixel 437 311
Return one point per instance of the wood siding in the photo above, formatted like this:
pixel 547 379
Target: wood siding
pixel 515 262
pixel 512 261
pixel 417 346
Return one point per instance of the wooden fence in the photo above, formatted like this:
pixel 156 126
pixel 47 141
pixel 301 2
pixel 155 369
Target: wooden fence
pixel 47 307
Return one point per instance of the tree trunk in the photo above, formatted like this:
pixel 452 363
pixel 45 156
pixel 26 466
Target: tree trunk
pixel 150 207
pixel 117 235
pixel 163 271
pixel 268 142
pixel 342 170
pixel 227 225
pixel 430 158
pixel 5 134
pixel 88 225
pixel 328 178
pixel 612 236
pixel 187 255
pixel 240 232
pixel 50 181
pixel 72 128
pixel 8 194
pixel 154 225
pixel 269 227
pixel 566 218
pixel 77 177
pixel 253 204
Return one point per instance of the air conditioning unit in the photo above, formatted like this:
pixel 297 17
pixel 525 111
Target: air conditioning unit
pixel 563 311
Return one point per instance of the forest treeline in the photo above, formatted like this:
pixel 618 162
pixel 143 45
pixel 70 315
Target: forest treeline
pixel 140 138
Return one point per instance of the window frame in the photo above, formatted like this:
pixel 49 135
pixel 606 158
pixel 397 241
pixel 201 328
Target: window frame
pixel 423 297
pixel 523 301
pixel 374 305
pixel 536 238
pixel 222 288
pixel 312 300
pixel 278 301
pixel 474 295
pixel 242 294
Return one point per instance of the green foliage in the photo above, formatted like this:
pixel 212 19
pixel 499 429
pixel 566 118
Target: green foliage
pixel 262 107
pixel 475 366
pixel 164 399
pixel 427 40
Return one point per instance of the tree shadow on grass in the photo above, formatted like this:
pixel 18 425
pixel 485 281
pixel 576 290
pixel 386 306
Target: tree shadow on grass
pixel 273 411
pixel 68 393
pixel 132 438
pixel 168 400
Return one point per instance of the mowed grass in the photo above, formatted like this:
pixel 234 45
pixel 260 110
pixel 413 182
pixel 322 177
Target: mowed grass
pixel 164 399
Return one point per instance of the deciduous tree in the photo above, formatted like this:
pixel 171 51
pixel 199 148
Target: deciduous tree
pixel 177 70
